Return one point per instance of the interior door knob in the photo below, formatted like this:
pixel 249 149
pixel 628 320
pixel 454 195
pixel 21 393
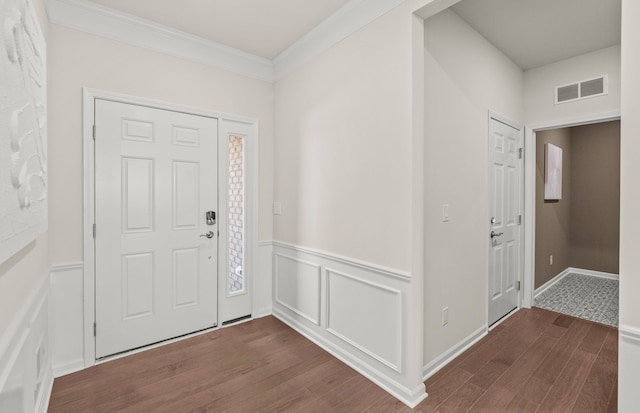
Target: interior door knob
pixel 208 234
pixel 496 234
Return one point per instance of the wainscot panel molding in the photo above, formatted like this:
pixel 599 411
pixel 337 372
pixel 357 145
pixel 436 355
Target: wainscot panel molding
pixel 445 358
pixel 66 317
pixel 352 309
pixel 26 378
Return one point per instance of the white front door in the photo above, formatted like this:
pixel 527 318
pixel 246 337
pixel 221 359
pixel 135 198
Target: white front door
pixel 155 180
pixel 505 184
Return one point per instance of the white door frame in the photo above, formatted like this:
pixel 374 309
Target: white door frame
pixel 521 128
pixel 530 190
pixel 88 116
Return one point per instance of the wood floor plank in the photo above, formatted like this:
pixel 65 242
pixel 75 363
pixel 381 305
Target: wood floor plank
pixel 502 392
pixel 265 366
pixel 546 374
pixel 596 391
pixel 566 389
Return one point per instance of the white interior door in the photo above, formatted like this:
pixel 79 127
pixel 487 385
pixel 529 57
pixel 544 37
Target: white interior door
pixel 505 188
pixel 235 285
pixel 155 180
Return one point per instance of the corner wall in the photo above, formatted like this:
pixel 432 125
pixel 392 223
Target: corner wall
pixel 457 105
pixel 553 218
pixel 629 350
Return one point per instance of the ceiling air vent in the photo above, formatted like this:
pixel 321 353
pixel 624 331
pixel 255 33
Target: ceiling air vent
pixel 582 90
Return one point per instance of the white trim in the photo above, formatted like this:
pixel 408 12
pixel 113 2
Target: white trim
pixel 68 368
pixel 544 287
pixel 571 270
pixel 445 358
pixel 390 272
pixel 316 320
pixel 593 273
pixel 530 188
pixel 103 21
pixel 67 266
pixel 629 333
pixel 88 116
pixel 343 23
pixel 122 27
pixel 394 366
pixel 410 397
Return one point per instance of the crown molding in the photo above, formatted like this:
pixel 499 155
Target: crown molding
pixel 95 19
pixel 343 23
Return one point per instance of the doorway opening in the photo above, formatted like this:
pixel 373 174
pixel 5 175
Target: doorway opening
pixel 576 249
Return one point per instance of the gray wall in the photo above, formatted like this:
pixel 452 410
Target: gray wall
pixel 582 229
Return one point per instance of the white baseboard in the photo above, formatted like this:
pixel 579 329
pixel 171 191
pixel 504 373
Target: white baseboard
pixel 263 312
pixel 592 273
pixel 572 270
pixel 445 358
pixel 544 287
pixel 410 397
pixel 68 367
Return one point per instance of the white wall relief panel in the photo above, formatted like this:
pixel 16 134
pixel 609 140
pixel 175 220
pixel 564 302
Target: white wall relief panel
pixel 298 286
pixel 137 284
pixel 23 128
pixel 185 277
pixel 137 194
pixel 186 136
pixel 372 322
pixel 137 130
pixel 185 194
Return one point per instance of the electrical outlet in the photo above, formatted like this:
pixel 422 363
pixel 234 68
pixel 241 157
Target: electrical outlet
pixel 445 316
pixel 550 259
pixel 277 208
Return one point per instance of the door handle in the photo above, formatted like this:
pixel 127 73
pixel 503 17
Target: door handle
pixel 208 234
pixel 496 234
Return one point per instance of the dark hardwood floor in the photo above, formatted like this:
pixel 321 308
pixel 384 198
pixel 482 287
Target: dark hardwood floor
pixel 536 360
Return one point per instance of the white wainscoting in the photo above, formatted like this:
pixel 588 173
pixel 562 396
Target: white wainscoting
pixel 66 317
pixel 26 377
pixel 628 371
pixel 352 309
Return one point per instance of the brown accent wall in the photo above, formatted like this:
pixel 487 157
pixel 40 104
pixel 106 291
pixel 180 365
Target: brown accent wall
pixel 595 197
pixel 553 218
pixel 582 230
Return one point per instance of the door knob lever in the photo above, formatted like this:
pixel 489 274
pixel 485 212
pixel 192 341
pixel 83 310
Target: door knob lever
pixel 208 234
pixel 496 234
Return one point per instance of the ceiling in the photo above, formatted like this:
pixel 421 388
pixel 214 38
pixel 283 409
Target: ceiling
pixel 534 33
pixel 261 27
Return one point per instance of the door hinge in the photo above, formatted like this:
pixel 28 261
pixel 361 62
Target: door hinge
pixel 520 153
pixel 95 329
pixel 94 231
pixel 519 219
pixel 517 285
pixel 94 132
